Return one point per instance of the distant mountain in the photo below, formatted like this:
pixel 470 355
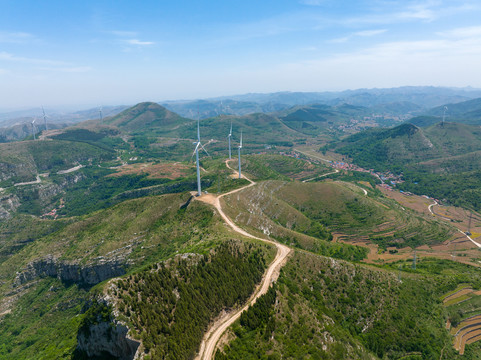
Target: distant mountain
pixel 423 96
pixel 17 125
pixel 442 160
pixel 321 119
pixel 404 101
pixel 467 110
pixel 408 144
pixel 204 109
pixel 146 115
pixel 23 130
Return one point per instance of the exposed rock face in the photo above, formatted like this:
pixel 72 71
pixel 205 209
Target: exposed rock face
pixel 84 275
pixel 107 337
pixel 8 204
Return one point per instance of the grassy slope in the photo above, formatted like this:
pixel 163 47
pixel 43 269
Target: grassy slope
pixel 331 309
pixel 21 161
pixel 278 167
pixel 283 209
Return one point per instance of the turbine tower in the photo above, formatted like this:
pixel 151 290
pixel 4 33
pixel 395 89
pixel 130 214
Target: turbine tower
pixel 45 119
pixel 100 115
pixel 33 128
pixel 239 149
pixel 444 114
pixel 196 152
pixel 228 137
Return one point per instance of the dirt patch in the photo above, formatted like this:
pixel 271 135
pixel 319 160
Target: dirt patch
pixel 170 171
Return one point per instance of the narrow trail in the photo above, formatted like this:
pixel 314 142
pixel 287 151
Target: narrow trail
pixel 212 336
pixel 320 176
pixel 38 181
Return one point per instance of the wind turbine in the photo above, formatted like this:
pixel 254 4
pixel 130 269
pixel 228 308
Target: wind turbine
pixel 228 137
pixel 100 115
pixel 45 119
pixel 444 114
pixel 239 149
pixel 196 152
pixel 33 128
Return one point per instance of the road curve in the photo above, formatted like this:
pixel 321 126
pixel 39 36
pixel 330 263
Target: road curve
pixel 430 208
pixel 215 332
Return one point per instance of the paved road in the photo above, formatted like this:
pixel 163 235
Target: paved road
pixel 211 338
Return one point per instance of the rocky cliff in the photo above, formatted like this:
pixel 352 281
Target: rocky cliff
pixel 83 275
pixel 107 339
pixel 8 204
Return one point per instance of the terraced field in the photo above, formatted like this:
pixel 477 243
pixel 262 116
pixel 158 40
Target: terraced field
pixel 283 167
pixel 302 213
pixel 464 306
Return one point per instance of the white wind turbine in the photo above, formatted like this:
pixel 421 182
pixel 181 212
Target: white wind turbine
pixel 239 150
pixel 100 115
pixel 228 137
pixel 44 119
pixel 196 152
pixel 33 128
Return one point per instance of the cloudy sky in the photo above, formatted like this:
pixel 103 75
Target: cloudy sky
pixel 121 52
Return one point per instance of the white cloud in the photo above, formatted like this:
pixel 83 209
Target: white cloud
pixel 12 58
pixel 441 61
pixel 15 37
pixel 420 11
pixel 339 40
pixel 138 42
pixel 370 32
pixel 463 32
pixel 364 33
pixel 73 69
pixel 121 33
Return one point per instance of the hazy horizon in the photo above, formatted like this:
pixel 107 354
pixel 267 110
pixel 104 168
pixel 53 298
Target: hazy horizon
pixel 62 54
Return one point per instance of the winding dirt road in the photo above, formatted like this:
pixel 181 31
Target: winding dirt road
pixel 215 332
pixel 430 208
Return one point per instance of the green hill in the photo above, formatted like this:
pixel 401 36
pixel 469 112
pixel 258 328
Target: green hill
pixel 467 110
pixel 407 144
pixel 21 161
pixel 144 116
pixel 440 160
pixel 306 214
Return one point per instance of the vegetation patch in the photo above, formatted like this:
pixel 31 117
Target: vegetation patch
pixel 170 306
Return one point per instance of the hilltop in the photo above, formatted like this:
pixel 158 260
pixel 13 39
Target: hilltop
pixel 145 116
pixel 407 143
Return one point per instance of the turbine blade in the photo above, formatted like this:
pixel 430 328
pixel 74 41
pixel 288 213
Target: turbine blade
pixel 241 140
pixel 195 149
pixel 230 133
pixel 198 130
pixel 203 148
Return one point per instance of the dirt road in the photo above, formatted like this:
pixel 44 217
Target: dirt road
pixel 209 343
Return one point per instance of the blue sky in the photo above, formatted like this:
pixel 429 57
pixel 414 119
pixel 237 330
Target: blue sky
pixel 83 53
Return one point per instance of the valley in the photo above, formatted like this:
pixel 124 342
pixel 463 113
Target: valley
pixel 337 241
